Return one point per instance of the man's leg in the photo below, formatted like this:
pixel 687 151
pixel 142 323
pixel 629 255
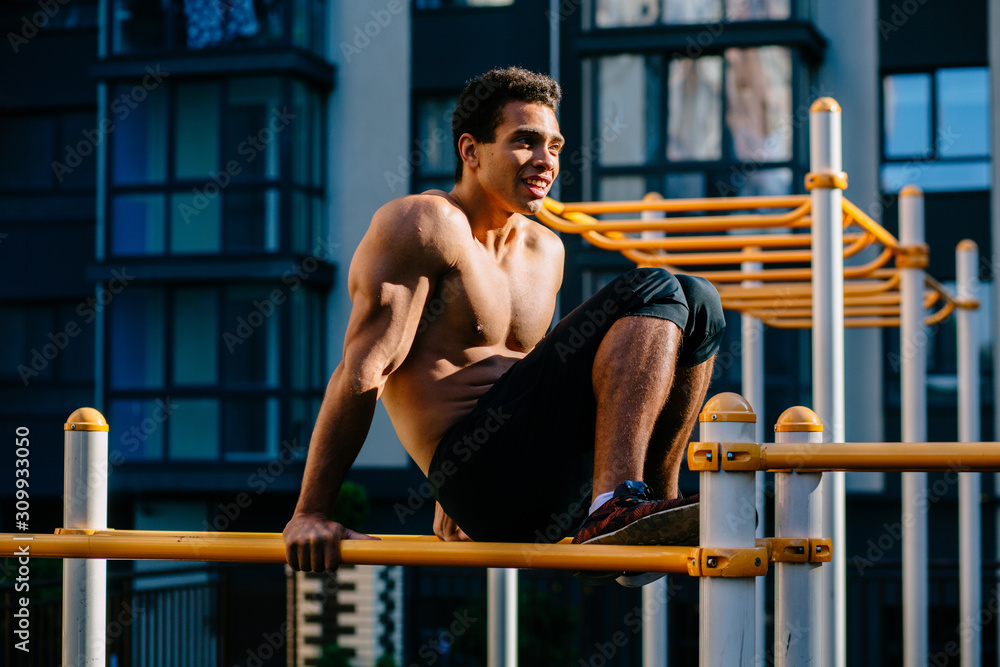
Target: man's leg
pixel 668 445
pixel 633 375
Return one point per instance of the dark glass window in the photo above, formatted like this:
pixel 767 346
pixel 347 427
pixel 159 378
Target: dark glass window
pixel 432 159
pixel 204 167
pixel 141 26
pixel 936 130
pixel 717 125
pixel 631 13
pixel 200 373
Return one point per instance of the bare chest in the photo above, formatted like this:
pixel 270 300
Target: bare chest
pixel 490 304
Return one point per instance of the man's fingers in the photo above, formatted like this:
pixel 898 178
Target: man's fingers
pixel 354 535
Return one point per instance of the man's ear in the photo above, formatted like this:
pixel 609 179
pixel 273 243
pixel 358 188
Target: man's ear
pixel 468 149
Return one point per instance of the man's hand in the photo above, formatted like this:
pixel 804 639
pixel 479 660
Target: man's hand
pixel 446 528
pixel 312 542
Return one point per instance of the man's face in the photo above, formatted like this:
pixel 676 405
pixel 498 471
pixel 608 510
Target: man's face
pixel 518 168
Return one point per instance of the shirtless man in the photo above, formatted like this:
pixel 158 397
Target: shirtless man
pixel 452 296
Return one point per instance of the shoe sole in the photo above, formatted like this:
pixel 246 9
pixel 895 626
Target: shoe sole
pixel 678 526
pixel 673 527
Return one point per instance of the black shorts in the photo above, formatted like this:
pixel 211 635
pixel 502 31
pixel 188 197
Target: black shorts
pixel 519 467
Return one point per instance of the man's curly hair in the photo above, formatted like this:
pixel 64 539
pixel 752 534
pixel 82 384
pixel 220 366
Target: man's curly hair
pixel 480 106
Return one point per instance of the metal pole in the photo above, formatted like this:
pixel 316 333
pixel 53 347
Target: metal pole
pixel 969 484
pixel 502 639
pixel 797 513
pixel 727 633
pixel 654 623
pixel 655 595
pixel 828 360
pixel 913 381
pixel 752 360
pixel 85 505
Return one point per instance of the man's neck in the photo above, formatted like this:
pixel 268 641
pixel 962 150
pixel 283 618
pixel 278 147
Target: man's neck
pixel 492 226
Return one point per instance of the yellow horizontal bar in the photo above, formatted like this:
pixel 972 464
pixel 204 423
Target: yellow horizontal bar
pixel 865 222
pixel 881 456
pixel 684 205
pixel 269 548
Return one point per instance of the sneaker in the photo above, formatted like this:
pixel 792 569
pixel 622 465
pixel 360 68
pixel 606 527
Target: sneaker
pixel 633 517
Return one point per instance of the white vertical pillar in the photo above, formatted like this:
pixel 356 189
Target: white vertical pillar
pixel 828 360
pixel 655 597
pixel 727 632
pixel 501 588
pixel 970 483
pixel 85 505
pixel 798 505
pixel 913 381
pixel 752 360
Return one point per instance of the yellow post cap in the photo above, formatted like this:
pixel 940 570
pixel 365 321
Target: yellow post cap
pixel 967 245
pixel 798 419
pixel 727 407
pixel 86 419
pixel 911 191
pixel 825 104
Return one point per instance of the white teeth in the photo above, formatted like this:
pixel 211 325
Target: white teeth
pixel 532 181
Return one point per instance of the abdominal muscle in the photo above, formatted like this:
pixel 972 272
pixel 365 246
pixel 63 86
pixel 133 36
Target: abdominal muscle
pixel 428 394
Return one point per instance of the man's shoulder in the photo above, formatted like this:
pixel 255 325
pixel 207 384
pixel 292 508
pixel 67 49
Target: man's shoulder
pixel 541 239
pixel 431 211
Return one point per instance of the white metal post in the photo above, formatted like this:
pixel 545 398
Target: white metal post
pixel 828 359
pixel 501 589
pixel 85 505
pixel 655 597
pixel 727 635
pixel 752 360
pixel 913 381
pixel 798 505
pixel 969 510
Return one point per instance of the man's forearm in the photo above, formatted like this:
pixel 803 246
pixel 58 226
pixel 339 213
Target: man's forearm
pixel 344 420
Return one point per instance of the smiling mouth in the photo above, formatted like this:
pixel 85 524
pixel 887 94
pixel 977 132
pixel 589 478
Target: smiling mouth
pixel 537 186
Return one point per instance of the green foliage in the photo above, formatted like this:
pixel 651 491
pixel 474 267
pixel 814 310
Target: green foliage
pixel 334 656
pixel 351 507
pixel 386 661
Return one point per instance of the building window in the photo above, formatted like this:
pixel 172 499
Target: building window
pixel 936 130
pixel 433 157
pixel 140 26
pixel 632 13
pixel 692 127
pixel 206 373
pixel 442 4
pixel 206 167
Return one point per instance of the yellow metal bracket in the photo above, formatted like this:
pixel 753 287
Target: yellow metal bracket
pixel 715 456
pixel 913 256
pixel 837 180
pixel 710 562
pixel 797 549
pixel 703 456
pixel 820 550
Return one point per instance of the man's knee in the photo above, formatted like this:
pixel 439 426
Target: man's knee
pixel 706 322
pixel 652 284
